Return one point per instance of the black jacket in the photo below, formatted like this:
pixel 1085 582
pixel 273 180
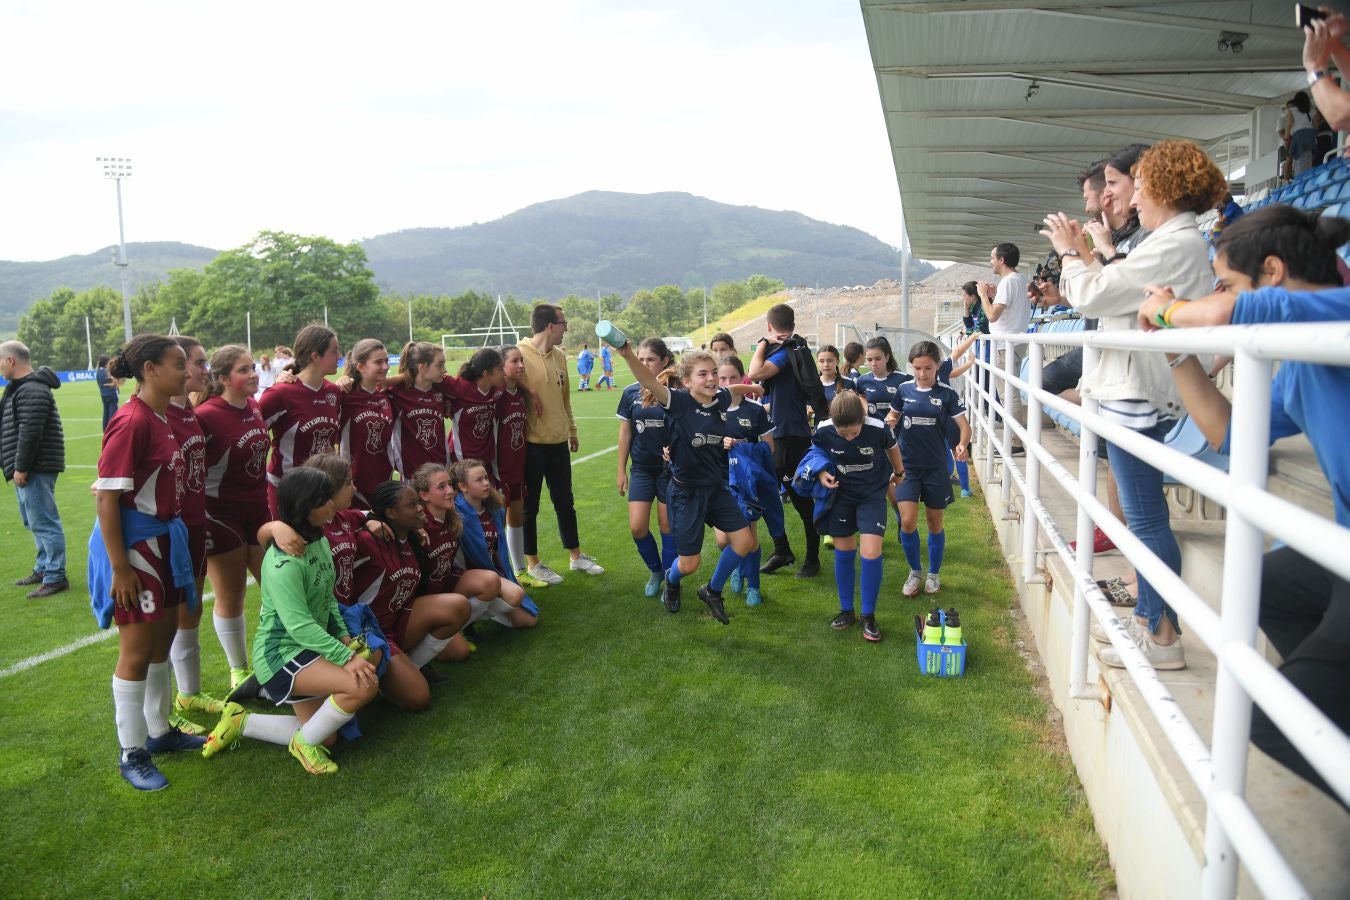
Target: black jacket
pixel 31 439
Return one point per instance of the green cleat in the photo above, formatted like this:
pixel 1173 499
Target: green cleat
pixel 185 725
pixel 198 702
pixel 227 732
pixel 525 579
pixel 313 757
pixel 239 676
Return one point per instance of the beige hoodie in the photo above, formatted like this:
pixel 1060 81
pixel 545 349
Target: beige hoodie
pixel 547 376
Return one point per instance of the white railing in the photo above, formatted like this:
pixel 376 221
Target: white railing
pixel 1219 768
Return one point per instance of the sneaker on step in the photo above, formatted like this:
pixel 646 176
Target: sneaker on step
pixel 1168 658
pixel 1099 634
pixel 932 584
pixel 844 621
pixel 139 770
pixel 227 732
pixel 587 564
pixel 174 741
pixel 314 757
pixel 912 583
pixel 653 584
pixel 527 580
pixel 870 630
pixel 541 572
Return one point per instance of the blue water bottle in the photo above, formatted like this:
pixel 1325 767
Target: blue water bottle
pixel 608 332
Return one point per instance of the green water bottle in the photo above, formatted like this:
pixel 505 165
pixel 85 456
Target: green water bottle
pixel 608 332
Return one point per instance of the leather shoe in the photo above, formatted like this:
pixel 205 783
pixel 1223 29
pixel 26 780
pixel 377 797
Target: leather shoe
pixel 32 578
pixel 809 569
pixel 48 590
pixel 776 562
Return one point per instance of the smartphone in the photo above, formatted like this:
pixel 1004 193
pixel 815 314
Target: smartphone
pixel 1306 15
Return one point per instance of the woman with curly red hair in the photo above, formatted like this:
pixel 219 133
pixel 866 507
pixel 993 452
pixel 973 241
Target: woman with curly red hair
pixel 1175 181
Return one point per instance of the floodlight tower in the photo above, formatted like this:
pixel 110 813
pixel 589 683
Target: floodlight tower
pixel 117 168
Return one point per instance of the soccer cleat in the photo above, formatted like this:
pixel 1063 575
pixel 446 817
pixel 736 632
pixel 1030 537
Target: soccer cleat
pixel 670 596
pixel 199 702
pixel 844 621
pixel 653 585
pixel 314 757
pixel 809 569
pixel 966 493
pixel 239 676
pixel 541 572
pixel 776 562
pixel 736 583
pixel 713 599
pixel 951 628
pixel 174 741
pixel 932 584
pixel 587 564
pixel 527 580
pixel 185 725
pixel 227 732
pixel 827 540
pixel 753 597
pixel 140 772
pixel 869 628
pixel 911 588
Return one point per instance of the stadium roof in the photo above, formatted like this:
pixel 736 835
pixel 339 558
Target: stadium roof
pixel 992 108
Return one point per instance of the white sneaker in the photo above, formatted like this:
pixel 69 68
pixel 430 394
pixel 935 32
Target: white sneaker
pixel 932 584
pixel 587 564
pixel 1099 633
pixel 912 583
pixel 545 574
pixel 1162 658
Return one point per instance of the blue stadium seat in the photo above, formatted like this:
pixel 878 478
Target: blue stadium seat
pixel 1187 438
pixel 1339 171
pixel 1336 209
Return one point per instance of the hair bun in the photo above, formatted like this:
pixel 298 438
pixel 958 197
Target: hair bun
pixel 1332 231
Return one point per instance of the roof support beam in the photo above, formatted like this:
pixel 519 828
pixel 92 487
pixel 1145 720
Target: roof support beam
pixel 1082 112
pixel 1184 23
pixel 1178 66
pixel 962 6
pixel 1153 91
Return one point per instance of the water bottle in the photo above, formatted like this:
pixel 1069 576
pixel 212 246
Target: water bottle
pixel 608 332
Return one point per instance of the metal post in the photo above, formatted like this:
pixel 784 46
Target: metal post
pixel 410 337
pixel 904 275
pixel 1007 399
pixel 325 315
pixel 89 343
pixel 1033 464
pixel 705 314
pixel 1243 548
pixel 1087 481
pixel 248 329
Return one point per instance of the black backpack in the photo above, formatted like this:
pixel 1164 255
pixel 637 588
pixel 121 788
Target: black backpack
pixel 802 363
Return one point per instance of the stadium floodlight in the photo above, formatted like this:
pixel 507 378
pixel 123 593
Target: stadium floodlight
pixel 117 168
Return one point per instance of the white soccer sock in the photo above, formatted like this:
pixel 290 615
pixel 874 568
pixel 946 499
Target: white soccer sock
pixel 426 649
pixel 158 700
pixel 129 710
pixel 324 723
pixel 515 546
pixel 233 639
pixel 272 729
pixel 186 656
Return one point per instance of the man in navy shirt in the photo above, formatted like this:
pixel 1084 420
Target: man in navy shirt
pixel 791 431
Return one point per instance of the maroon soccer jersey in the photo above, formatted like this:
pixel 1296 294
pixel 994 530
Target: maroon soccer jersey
pixel 303 421
pixel 489 532
pixel 236 454
pixel 387 574
pixel 192 442
pixel 509 465
pixel 341 534
pixel 474 435
pixel 141 458
pixel 367 424
pixel 419 429
pixel 441 549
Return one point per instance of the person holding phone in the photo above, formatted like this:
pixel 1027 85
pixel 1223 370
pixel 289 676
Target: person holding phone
pixel 1324 41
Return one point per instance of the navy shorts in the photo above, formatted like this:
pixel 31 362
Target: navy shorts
pixel 645 485
pixel 280 688
pixel 868 516
pixel 691 508
pixel 931 487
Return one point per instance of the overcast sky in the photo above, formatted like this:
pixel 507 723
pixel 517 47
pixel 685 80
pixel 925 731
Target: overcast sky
pixel 357 119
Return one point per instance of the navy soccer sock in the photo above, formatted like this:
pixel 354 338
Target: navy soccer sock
pixel 871 584
pixel 726 564
pixel 843 577
pixel 937 543
pixel 910 541
pixel 646 546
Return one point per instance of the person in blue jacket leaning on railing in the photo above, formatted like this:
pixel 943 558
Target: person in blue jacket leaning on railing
pixel 1278 264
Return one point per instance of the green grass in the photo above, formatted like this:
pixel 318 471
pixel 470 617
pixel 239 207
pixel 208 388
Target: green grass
pixel 737 317
pixel 615 750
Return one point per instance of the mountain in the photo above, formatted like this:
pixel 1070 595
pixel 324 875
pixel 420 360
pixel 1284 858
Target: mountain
pixel 612 242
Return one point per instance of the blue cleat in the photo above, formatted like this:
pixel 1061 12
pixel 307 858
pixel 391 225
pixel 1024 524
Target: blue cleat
pixel 175 741
pixel 140 772
pixel 653 585
pixel 736 582
pixel 965 493
pixel 752 597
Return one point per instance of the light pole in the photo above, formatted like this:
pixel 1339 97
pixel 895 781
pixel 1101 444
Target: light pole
pixel 117 168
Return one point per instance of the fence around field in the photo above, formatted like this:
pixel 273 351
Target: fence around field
pixel 1232 831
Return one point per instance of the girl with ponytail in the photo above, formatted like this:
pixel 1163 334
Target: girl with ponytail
pixel 304 414
pixel 642 440
pixel 367 418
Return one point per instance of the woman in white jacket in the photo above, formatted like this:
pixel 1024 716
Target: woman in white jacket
pixel 1174 182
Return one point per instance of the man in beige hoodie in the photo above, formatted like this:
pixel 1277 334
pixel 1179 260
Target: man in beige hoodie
pixel 550 439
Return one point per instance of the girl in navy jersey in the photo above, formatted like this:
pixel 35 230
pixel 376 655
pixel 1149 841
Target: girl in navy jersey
pixel 367 418
pixel 853 360
pixel 143 565
pixel 827 361
pixel 419 409
pixel 508 467
pixel 754 476
pixel 945 373
pixel 862 460
pixel 879 386
pixel 698 493
pixel 303 415
pixel 642 439
pixel 388 579
pixel 925 408
pixel 480 508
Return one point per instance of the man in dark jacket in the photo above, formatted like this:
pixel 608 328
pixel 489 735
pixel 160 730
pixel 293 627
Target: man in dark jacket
pixel 33 453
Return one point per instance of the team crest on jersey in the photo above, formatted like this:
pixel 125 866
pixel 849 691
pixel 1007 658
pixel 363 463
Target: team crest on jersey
pixel 443 563
pixel 196 474
pixel 332 399
pixel 906 421
pixel 639 425
pixel 935 401
pixel 744 423
pixel 517 437
pixel 322 437
pixel 865 451
pixel 482 424
pixel 255 463
pixel 375 436
pixel 426 433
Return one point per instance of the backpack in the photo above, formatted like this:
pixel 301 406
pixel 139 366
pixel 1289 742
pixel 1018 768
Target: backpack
pixel 803 365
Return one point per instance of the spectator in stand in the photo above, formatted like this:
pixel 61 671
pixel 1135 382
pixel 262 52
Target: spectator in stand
pixel 1278 264
pixel 107 389
pixel 550 434
pixel 1009 313
pixel 974 318
pixel 33 454
pixel 1175 181
pixel 1324 41
pixel 1299 133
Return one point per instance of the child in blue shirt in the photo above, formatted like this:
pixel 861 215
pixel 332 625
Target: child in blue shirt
pixel 585 365
pixel 747 422
pixel 606 367
pixel 879 386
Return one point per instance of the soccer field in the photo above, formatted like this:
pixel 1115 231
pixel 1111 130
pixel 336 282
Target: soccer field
pixel 614 750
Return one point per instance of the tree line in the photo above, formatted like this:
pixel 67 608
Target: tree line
pixel 280 281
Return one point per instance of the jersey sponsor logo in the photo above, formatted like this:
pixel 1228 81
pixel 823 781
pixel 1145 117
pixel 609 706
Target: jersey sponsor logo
pixel 698 439
pixel 856 467
pixel 426 433
pixel 919 421
pixel 375 436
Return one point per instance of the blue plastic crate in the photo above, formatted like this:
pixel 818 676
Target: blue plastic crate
pixel 942 660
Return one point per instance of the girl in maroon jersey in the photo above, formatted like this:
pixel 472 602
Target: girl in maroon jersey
pixel 508 466
pixel 389 578
pixel 367 418
pixel 473 402
pixel 419 409
pixel 141 481
pixel 481 507
pixel 304 414
pixel 236 495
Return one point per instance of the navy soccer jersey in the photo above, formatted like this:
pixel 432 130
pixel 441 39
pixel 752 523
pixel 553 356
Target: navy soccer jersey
pixel 839 384
pixel 649 428
pixel 924 415
pixel 748 422
pixel 694 432
pixel 881 393
pixel 787 404
pixel 863 467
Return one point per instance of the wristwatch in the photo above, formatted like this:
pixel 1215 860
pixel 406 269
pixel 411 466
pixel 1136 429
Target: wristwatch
pixel 1315 76
pixel 1071 252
